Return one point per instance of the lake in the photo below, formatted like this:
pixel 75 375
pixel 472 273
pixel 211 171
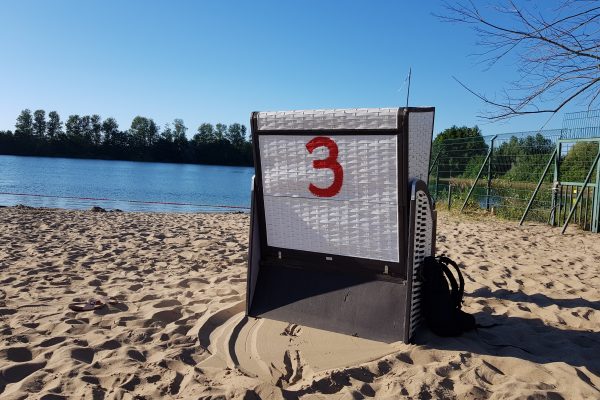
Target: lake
pixel 125 185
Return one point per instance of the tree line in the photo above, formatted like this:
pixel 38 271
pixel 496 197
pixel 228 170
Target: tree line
pixel 89 136
pixel 462 151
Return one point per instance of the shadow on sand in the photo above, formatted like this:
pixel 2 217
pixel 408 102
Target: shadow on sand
pixel 527 339
pixel 522 338
pixel 538 298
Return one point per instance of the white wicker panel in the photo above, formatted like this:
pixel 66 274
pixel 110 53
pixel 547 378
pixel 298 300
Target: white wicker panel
pixel 351 118
pixel 422 248
pixel 420 131
pixel 348 228
pixel 369 164
pixel 360 221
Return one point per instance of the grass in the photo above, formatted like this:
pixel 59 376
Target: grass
pixel 509 200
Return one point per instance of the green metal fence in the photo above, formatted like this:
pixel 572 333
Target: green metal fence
pixel 500 174
pixel 583 124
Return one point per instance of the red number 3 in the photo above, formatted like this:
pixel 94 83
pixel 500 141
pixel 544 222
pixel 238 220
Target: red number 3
pixel 330 162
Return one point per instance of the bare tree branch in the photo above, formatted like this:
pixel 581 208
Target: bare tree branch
pixel 557 52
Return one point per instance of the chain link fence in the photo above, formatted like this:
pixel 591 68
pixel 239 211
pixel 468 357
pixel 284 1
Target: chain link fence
pixel 500 173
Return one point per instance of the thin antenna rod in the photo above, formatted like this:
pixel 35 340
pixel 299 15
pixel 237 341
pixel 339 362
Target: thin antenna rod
pixel 408 90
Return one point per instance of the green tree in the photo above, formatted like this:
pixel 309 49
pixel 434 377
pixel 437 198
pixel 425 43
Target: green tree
pixel 24 125
pixel 39 123
pixel 537 144
pixel 220 132
pixel 143 131
pixel 73 126
pixel 236 135
pixel 522 159
pixel 576 164
pixel 110 129
pixel 179 137
pixel 86 129
pixel 206 134
pixel 167 133
pixel 54 126
pixel 457 147
pixel 96 129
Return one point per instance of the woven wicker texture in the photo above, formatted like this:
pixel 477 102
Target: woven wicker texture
pixel 420 130
pixel 333 227
pixel 360 221
pixel 353 118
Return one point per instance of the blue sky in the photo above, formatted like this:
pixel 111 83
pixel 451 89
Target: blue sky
pixel 216 61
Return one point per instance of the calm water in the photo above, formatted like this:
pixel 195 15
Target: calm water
pixel 200 186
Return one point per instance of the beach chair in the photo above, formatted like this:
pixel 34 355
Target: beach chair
pixel 341 219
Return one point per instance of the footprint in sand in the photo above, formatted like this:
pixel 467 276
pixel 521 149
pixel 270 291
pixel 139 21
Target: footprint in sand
pixel 92 380
pixel 18 372
pixel 83 354
pixel 294 367
pixel 292 330
pixel 131 383
pixel 52 341
pixel 7 311
pixel 165 317
pixel 16 354
pixel 193 283
pixel 136 355
pixel 110 345
pixel 167 303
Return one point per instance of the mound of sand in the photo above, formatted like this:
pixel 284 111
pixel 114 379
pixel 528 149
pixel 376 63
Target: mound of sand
pixel 175 325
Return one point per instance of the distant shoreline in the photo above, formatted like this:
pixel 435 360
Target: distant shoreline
pixel 88 136
pixel 124 160
pixel 102 210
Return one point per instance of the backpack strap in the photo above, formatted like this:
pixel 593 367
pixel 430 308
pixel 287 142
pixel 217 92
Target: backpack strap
pixel 458 290
pixel 453 284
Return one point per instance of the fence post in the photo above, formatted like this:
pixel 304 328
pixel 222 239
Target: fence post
pixel 554 204
pixel 487 157
pixel 435 164
pixel 555 184
pixel 449 196
pixel 595 223
pixel 537 188
pixel 435 160
pixel 489 180
pixel 585 183
pixel 437 181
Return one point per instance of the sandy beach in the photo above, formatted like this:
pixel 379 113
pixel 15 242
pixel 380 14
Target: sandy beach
pixel 174 323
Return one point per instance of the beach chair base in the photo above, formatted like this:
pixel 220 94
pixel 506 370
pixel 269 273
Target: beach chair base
pixel 372 306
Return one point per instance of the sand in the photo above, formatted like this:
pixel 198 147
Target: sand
pixel 175 325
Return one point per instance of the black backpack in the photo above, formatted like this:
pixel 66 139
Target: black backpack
pixel 442 303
